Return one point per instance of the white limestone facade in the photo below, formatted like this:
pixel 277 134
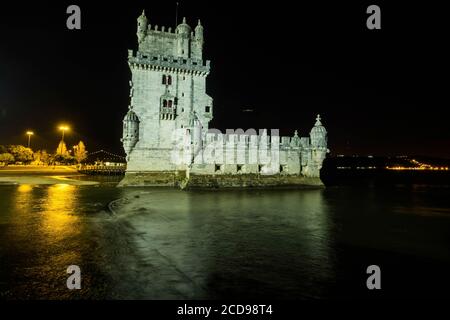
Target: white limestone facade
pixel 166 128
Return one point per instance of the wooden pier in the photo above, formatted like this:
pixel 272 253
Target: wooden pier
pixel 104 170
pixel 103 163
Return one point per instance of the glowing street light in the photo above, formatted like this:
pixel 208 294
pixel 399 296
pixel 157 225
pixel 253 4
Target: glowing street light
pixel 29 133
pixel 63 129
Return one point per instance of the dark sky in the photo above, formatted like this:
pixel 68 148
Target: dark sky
pixel 380 92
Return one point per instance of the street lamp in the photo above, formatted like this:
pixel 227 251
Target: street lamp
pixel 63 129
pixel 29 133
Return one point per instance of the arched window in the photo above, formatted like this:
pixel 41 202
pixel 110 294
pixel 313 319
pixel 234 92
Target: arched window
pixel 164 103
pixel 169 80
pixel 170 103
pixel 164 79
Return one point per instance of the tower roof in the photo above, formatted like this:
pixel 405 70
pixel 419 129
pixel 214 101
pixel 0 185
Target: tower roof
pixel 131 116
pixel 318 122
pixel 183 27
pixel 318 127
pixel 142 16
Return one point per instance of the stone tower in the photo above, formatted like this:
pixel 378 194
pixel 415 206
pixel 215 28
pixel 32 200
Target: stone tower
pixel 168 87
pixel 165 131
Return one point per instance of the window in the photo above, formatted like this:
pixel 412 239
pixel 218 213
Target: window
pixel 164 79
pixel 164 103
pixel 217 168
pixel 207 109
pixel 170 103
pixel 182 94
pixel 175 101
pixel 169 80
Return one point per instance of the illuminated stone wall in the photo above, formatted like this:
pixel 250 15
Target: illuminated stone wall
pixel 166 127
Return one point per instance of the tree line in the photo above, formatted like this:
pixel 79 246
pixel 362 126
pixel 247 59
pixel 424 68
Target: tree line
pixel 19 154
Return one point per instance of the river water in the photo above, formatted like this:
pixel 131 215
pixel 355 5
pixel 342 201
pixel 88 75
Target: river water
pixel 170 244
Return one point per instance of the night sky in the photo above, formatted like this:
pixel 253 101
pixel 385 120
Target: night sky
pixel 380 92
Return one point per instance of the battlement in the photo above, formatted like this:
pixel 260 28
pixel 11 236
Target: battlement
pixel 255 141
pixel 162 32
pixel 170 63
pixel 182 42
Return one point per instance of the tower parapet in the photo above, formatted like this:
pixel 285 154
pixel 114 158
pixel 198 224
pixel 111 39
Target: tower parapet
pixel 168 63
pixel 181 42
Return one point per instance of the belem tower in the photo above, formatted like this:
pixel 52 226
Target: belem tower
pixel 166 134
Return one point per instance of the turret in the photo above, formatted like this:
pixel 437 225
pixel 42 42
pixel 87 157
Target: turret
pixel 195 130
pixel 199 32
pixel 183 32
pixel 142 23
pixel 295 141
pixel 317 151
pixel 197 43
pixel 130 134
pixel 318 134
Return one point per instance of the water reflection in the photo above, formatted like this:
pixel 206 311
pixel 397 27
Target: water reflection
pixel 42 234
pixel 58 219
pixel 164 243
pixel 238 243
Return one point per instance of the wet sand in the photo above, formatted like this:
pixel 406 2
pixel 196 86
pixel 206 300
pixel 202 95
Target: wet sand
pixel 41 175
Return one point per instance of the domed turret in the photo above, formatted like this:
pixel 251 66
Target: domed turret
pixel 130 134
pixel 318 134
pixel 197 43
pixel 295 141
pixel 199 32
pixel 142 23
pixel 183 28
pixel 183 42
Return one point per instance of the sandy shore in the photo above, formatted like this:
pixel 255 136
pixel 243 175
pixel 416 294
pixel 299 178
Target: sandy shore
pixel 41 175
pixel 37 170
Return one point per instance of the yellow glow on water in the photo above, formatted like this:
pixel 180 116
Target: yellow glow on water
pixel 58 218
pixel 24 188
pixel 47 222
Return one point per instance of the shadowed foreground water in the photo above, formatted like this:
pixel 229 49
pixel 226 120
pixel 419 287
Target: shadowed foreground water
pixel 170 244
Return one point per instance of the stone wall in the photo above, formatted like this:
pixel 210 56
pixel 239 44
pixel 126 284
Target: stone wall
pixel 250 181
pixel 153 179
pixel 179 179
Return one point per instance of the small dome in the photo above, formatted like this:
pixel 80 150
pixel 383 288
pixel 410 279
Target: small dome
pixel 199 26
pixel 318 127
pixel 184 27
pixel 131 116
pixel 295 141
pixel 142 17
